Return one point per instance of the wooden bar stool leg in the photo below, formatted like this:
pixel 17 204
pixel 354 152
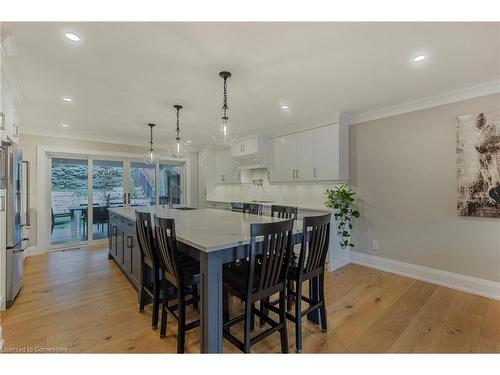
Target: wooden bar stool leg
pixel 195 296
pixel 282 320
pixel 322 309
pixel 156 298
pixel 252 318
pixel 181 322
pixel 164 310
pixel 298 318
pixel 225 305
pixel 289 296
pixel 263 310
pixel 248 324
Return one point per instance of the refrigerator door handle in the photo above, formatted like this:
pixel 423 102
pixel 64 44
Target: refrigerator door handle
pixel 27 184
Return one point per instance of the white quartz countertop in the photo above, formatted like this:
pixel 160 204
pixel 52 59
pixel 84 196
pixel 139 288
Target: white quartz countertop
pixel 305 207
pixel 206 229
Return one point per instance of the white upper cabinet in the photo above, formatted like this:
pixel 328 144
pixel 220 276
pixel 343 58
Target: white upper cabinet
pixel 251 152
pixel 244 148
pixel 9 120
pixel 326 168
pixel 227 171
pixel 320 154
pixel 305 156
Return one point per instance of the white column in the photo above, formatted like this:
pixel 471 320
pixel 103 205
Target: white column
pixel 337 257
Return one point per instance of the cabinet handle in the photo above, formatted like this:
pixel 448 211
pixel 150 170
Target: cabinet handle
pixel 268 176
pixel 297 174
pixel 293 173
pixel 243 147
pixel 2 204
pixel 314 172
pixel 2 123
pixel 131 241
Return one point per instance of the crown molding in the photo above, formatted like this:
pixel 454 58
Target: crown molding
pixel 99 139
pixel 429 102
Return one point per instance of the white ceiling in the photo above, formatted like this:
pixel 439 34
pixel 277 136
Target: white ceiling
pixel 124 75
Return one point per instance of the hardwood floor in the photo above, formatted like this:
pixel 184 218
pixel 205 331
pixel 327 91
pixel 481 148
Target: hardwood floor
pixel 79 301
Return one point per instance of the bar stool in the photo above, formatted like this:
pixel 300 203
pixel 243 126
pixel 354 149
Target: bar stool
pixel 253 281
pixel 311 264
pixel 179 271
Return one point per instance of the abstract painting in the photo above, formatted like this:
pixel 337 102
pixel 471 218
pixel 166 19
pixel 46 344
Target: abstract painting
pixel 478 165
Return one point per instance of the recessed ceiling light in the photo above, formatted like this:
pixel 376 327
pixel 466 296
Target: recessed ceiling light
pixel 419 58
pixel 64 125
pixel 72 37
pixel 284 106
pixel 188 141
pixel 67 99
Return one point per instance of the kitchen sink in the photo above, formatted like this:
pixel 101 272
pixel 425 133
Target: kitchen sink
pixel 256 201
pixel 185 208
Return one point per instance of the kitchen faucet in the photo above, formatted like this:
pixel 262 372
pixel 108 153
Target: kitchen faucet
pixel 170 196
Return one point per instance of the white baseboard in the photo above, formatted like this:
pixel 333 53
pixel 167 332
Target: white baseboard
pixel 34 250
pixel 339 260
pixel 469 284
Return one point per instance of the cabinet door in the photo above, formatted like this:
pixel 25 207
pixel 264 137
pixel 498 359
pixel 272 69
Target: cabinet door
pixel 119 243
pixel 236 149
pixel 128 243
pixel 221 166
pixel 114 224
pixel 135 267
pixel 305 156
pixel 285 158
pixel 326 153
pixel 249 146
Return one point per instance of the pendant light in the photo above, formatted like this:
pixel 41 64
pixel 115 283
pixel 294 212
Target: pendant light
pixel 223 132
pixel 150 157
pixel 178 149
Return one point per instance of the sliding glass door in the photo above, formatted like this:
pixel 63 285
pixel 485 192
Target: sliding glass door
pixel 107 191
pixel 69 200
pixel 142 184
pixel 83 189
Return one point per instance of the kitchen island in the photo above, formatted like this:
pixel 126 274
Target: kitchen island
pixel 214 237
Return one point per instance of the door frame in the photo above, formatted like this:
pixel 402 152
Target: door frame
pixel 43 191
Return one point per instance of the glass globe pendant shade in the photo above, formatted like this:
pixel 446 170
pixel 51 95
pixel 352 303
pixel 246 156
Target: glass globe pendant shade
pixel 178 150
pixel 150 157
pixel 223 133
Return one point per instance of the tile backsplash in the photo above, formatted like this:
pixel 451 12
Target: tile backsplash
pixel 311 193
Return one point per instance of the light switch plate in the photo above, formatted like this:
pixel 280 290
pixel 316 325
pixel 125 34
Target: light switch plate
pixel 375 245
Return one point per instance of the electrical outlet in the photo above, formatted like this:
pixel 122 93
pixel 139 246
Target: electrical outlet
pixel 375 245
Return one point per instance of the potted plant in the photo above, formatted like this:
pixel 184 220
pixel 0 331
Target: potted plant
pixel 341 199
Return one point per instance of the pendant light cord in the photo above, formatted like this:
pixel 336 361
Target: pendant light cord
pixel 178 130
pixel 151 136
pixel 224 106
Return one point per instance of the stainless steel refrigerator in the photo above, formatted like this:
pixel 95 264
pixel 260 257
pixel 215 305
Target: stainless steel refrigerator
pixel 16 172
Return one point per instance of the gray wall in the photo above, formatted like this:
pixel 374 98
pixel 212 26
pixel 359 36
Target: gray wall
pixel 404 169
